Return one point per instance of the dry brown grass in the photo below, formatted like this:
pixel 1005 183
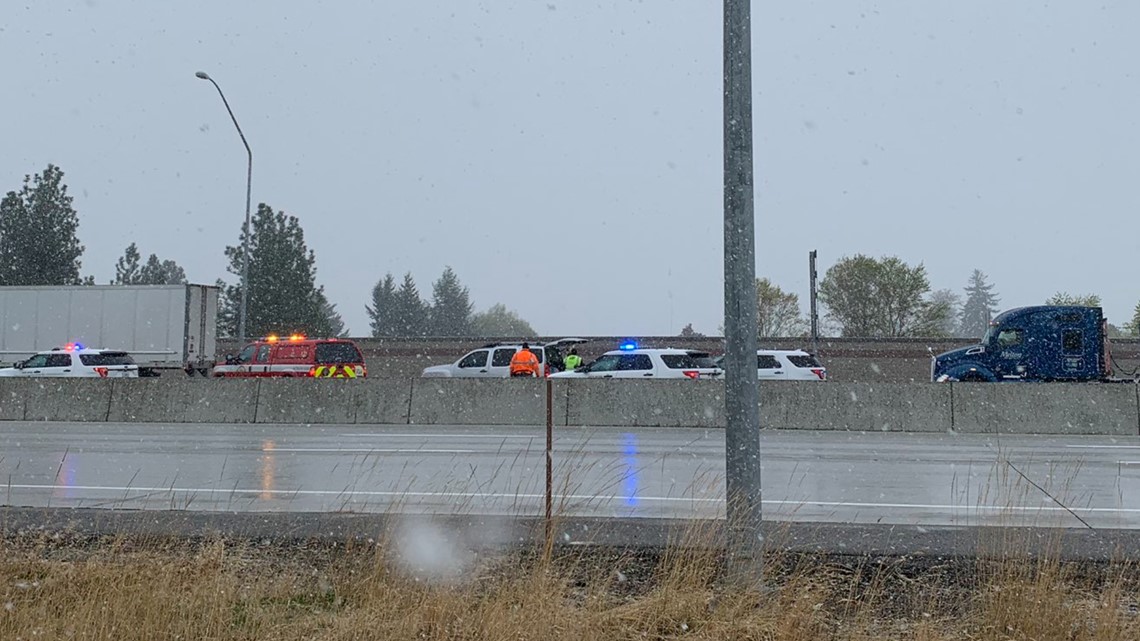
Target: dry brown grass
pixel 124 589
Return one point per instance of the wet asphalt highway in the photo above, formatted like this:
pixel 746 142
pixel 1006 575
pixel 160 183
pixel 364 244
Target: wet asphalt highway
pixel 871 478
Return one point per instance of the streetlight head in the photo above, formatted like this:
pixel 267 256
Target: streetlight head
pixel 202 75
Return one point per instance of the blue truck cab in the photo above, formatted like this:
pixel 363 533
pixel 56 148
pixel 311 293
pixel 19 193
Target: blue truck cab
pixel 1044 343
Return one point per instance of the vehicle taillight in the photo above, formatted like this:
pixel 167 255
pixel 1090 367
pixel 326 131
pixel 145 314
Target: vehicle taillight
pixel 313 370
pixel 101 371
pixel 820 372
pixel 691 373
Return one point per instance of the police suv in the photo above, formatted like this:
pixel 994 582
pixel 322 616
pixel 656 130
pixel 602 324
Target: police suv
pixel 786 365
pixel 75 360
pixel 631 361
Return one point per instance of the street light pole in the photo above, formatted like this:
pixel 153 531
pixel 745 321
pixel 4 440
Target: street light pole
pixel 742 394
pixel 247 230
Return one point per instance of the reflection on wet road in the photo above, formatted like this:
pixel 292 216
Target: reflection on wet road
pixel 654 472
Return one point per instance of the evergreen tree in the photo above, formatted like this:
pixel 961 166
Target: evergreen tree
pixel 127 267
pixel 283 295
pixel 778 313
pixel 380 313
pixel 410 314
pixel 166 272
pixel 980 307
pixel 336 323
pixel 688 332
pixel 451 306
pixel 38 243
pixel 880 298
pixel 500 322
pixel 154 272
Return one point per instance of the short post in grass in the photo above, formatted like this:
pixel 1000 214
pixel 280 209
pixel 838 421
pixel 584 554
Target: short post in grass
pixel 549 468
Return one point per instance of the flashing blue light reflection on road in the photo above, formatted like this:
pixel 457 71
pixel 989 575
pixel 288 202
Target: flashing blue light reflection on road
pixel 629 461
pixel 65 475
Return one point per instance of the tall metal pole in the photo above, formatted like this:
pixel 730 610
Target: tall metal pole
pixel 742 395
pixel 247 230
pixel 814 314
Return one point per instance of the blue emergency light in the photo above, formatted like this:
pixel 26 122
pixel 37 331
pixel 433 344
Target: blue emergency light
pixel 628 345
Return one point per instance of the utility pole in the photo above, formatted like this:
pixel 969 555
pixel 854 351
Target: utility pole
pixel 742 395
pixel 814 313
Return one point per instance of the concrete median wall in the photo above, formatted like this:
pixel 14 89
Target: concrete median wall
pixel 867 407
pixel 635 403
pixel 481 401
pixel 48 399
pixel 183 400
pixel 1054 408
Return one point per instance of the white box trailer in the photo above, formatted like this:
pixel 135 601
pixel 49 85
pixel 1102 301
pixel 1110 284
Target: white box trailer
pixel 164 327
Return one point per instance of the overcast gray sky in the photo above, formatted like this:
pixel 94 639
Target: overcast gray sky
pixel 408 136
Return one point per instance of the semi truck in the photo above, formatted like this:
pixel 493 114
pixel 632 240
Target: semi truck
pixel 1041 343
pixel 165 328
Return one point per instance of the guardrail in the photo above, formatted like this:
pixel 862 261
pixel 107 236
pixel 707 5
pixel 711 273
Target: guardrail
pixel 1053 408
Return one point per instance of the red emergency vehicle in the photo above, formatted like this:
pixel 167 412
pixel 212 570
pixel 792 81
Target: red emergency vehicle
pixel 296 356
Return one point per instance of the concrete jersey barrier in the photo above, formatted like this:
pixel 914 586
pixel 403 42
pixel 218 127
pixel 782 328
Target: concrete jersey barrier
pixel 1044 408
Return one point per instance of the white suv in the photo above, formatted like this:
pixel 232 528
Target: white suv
pixel 494 360
pixel 76 361
pixel 633 362
pixel 786 365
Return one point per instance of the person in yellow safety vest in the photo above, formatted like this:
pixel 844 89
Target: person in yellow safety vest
pixel 524 362
pixel 573 361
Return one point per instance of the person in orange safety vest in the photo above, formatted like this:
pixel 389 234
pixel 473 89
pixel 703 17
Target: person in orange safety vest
pixel 524 363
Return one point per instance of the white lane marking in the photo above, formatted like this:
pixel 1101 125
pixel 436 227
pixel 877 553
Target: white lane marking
pixel 494 436
pixel 1104 447
pixel 363 450
pixel 576 497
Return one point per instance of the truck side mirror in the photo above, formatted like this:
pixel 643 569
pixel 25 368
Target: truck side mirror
pixel 19 364
pixel 231 359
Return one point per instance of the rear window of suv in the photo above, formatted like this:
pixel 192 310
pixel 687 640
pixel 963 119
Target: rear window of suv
pixel 334 353
pixel 682 361
pixel 106 358
pixel 800 360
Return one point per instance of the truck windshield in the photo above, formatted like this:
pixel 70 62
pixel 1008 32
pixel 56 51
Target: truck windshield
pixel 989 335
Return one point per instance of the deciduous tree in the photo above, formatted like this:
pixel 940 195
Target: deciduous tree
pixel 946 302
pixel 500 322
pixel 1133 325
pixel 880 298
pixel 778 313
pixel 1078 300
